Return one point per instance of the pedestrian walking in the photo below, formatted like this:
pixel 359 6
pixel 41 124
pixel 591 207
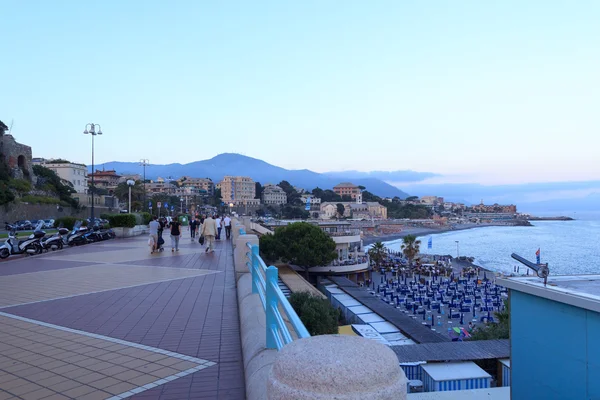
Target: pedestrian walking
pixel 219 227
pixel 193 226
pixel 209 231
pixel 227 221
pixel 175 234
pixel 153 227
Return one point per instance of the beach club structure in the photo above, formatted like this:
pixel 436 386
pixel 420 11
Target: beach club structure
pixel 504 373
pixel 545 364
pixel 418 347
pixel 441 377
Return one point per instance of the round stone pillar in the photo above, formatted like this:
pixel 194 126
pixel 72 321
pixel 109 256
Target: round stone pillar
pixel 336 367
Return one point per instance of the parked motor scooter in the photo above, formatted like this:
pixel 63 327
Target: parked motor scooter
pixel 55 242
pixel 12 245
pixel 77 236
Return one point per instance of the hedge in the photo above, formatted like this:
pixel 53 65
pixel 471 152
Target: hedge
pixel 67 222
pixel 122 220
pixel 146 218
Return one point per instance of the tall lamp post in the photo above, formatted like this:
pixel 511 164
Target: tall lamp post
pixel 143 163
pixel 130 183
pixel 90 129
pixel 181 199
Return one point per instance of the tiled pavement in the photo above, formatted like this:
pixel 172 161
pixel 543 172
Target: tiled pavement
pixel 107 319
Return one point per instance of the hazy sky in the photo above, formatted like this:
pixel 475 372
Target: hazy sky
pixel 480 91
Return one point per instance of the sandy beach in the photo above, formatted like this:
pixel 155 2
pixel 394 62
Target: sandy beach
pixel 422 231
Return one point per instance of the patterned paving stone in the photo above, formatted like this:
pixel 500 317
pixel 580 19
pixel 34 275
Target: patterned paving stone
pixel 195 316
pixel 53 284
pixel 39 360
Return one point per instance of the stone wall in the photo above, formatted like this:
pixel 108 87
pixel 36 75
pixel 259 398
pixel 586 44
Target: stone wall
pixel 17 156
pixel 15 212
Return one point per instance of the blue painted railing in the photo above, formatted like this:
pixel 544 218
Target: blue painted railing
pixel 264 283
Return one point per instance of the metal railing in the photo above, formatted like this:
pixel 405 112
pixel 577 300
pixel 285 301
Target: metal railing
pixel 264 283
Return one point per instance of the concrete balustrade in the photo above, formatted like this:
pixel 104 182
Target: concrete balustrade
pixel 336 367
pixel 318 368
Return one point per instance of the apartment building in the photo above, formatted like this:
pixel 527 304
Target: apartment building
pixel 74 173
pixel 237 189
pixel 273 194
pixel 347 189
pixel 494 208
pixel 202 185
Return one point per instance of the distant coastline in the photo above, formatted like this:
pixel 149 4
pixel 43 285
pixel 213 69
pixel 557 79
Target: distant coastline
pixel 550 219
pixel 421 231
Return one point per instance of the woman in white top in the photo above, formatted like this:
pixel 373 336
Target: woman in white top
pixel 219 227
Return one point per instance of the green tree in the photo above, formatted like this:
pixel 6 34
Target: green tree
pixel 137 192
pixel 340 209
pixel 410 247
pixel 259 189
pixel 304 245
pixel 217 199
pixel 269 248
pixel 52 182
pixel 317 314
pixel 293 197
pixel 377 253
pixel 412 198
pixel 499 330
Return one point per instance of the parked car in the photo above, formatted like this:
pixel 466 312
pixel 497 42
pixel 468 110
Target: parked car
pixel 48 223
pixel 23 225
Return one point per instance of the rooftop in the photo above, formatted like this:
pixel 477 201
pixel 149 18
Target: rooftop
pixel 454 351
pixel 452 371
pixel 346 184
pixel 577 290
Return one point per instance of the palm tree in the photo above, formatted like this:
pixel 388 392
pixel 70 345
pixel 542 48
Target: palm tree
pixel 377 253
pixel 410 247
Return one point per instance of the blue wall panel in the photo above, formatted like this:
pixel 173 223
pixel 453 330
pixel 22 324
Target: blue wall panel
pixel 593 356
pixel 550 349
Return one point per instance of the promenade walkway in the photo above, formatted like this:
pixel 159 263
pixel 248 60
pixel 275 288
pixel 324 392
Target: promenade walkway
pixel 111 321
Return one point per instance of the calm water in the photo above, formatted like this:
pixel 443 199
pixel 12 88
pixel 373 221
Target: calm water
pixel 570 247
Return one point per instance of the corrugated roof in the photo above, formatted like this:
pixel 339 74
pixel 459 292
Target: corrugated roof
pixel 413 329
pixel 453 351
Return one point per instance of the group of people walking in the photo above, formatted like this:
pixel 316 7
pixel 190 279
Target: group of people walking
pixel 208 228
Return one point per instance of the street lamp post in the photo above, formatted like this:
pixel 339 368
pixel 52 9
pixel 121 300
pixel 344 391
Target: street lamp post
pixel 130 183
pixel 143 163
pixel 91 130
pixel 456 248
pixel 230 208
pixel 181 199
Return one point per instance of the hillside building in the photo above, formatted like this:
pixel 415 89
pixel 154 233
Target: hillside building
pixel 347 189
pixel 73 173
pixel 105 179
pixel 15 155
pixel 273 194
pixel 238 190
pixel 494 208
pixel 201 185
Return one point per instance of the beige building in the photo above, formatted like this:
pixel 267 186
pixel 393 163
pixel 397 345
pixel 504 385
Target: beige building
pixel 273 194
pixel 75 174
pixel 347 189
pixel 376 210
pixel 354 210
pixel 202 185
pixel 237 189
pixel 432 200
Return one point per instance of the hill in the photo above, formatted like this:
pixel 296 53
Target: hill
pixel 236 164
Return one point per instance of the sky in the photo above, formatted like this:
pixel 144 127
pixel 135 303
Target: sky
pixel 497 92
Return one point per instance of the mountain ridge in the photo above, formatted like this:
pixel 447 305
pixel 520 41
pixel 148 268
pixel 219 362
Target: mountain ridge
pixel 260 171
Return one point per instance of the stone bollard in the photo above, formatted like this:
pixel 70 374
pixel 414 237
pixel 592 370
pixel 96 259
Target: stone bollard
pixel 336 367
pixel 235 231
pixel 239 253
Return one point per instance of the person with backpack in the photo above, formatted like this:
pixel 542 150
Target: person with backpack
pixel 175 234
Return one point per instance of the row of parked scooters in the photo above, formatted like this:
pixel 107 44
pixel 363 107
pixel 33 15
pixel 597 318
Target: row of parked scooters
pixel 38 242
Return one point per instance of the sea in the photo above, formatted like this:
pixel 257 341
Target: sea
pixel 569 247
